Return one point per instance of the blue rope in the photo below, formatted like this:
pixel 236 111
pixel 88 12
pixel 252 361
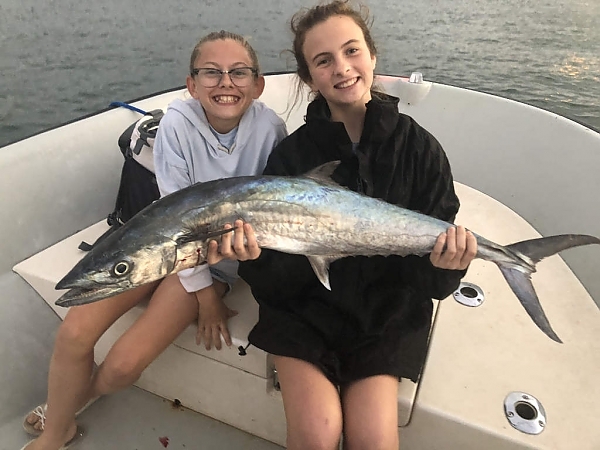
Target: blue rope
pixel 128 106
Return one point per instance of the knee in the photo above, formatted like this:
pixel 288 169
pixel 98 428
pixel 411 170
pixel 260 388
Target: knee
pixel 324 436
pixel 314 442
pixel 371 439
pixel 73 339
pixel 118 371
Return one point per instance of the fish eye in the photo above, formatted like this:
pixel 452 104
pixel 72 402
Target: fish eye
pixel 121 268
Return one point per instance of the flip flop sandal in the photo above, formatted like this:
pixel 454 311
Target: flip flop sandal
pixel 29 428
pixel 79 432
pixel 40 411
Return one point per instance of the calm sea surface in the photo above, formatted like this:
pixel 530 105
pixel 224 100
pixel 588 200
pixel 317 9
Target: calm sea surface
pixel 61 59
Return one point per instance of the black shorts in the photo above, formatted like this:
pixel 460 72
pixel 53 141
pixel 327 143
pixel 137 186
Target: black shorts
pixel 342 352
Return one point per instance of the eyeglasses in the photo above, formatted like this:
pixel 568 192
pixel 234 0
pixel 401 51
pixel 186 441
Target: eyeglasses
pixel 240 76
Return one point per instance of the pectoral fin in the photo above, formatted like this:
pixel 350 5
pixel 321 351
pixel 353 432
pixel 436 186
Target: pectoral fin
pixel 320 265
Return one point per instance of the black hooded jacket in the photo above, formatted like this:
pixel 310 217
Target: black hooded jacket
pixel 396 160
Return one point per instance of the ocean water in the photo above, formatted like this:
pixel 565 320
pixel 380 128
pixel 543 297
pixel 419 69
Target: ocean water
pixel 62 59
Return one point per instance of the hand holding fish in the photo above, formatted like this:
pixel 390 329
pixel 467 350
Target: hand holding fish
pixel 454 249
pixel 241 247
pixel 212 316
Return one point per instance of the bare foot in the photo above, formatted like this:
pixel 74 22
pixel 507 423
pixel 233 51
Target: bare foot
pixel 48 442
pixel 35 418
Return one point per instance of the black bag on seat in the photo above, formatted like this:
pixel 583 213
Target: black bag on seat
pixel 137 187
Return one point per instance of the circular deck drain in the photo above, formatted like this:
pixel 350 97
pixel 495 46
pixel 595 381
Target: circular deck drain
pixel 469 294
pixel 525 413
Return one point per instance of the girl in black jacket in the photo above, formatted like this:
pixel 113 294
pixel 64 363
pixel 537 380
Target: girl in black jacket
pixel 372 328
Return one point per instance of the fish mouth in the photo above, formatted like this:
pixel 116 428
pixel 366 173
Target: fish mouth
pixel 82 295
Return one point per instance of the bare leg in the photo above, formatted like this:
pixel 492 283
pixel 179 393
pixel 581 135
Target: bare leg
pixel 71 365
pixel 370 409
pixel 170 311
pixel 312 406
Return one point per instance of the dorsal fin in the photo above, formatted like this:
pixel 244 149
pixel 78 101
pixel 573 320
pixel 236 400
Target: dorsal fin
pixel 323 172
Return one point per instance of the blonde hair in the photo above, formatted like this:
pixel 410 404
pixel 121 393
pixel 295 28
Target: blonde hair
pixel 224 35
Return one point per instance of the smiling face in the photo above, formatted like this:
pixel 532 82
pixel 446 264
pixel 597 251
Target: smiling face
pixel 224 104
pixel 339 63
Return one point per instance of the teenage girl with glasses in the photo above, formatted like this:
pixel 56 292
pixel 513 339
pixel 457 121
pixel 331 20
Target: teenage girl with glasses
pixel 221 131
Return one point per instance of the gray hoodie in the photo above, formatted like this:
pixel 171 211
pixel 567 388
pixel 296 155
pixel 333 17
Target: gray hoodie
pixel 186 151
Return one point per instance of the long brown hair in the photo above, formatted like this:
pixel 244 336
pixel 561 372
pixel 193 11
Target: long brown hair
pixel 305 19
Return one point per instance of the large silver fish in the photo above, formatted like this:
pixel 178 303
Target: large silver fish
pixel 308 215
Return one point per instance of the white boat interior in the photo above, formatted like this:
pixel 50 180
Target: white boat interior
pixel 520 172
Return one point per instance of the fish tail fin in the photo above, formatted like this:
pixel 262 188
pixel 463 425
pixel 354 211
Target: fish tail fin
pixel 519 278
pixel 538 249
pixel 520 283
